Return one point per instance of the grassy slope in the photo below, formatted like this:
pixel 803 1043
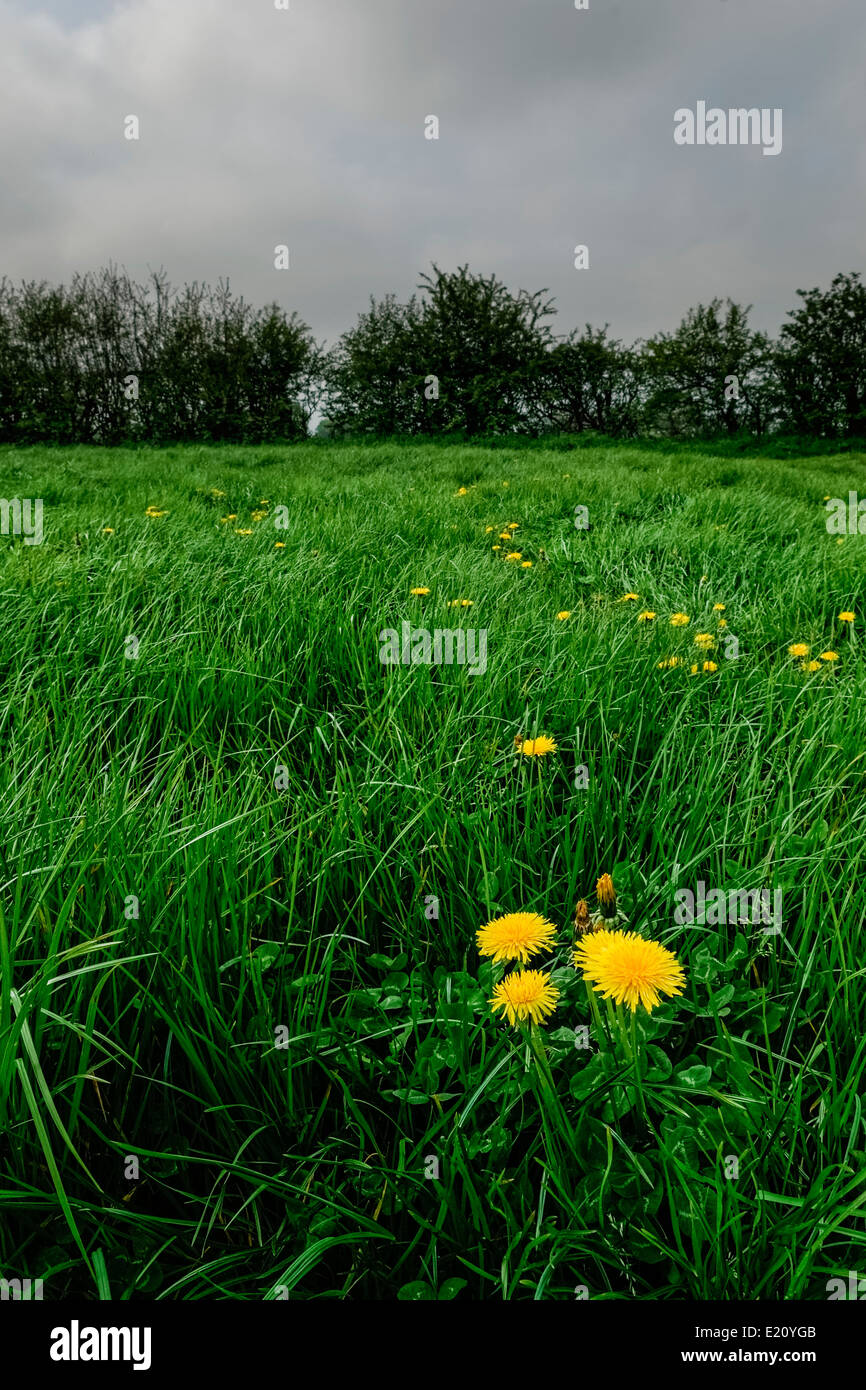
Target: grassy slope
pixel 306 908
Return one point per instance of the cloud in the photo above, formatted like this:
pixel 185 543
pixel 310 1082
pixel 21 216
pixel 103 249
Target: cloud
pixel 260 127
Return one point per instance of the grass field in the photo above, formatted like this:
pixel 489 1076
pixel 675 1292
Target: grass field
pixel 246 1049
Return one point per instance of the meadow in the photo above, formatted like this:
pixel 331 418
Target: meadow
pixel 246 1045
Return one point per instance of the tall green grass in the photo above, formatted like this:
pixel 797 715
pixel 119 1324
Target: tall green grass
pixel 400 1144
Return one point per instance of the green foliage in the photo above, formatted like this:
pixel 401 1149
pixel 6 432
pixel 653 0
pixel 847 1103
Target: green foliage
pixel 710 377
pixel 401 1145
pixel 466 359
pixel 592 382
pixel 822 360
pixel 498 369
pixel 110 361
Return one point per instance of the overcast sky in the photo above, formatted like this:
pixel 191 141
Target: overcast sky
pixel 260 127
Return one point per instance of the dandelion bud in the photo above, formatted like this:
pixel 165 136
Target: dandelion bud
pixel 582 920
pixel 606 894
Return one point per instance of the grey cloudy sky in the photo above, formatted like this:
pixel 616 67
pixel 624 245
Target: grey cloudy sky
pixel 261 127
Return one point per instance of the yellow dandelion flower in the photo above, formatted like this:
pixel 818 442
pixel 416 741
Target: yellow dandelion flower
pixel 538 747
pixel 515 555
pixel 566 613
pixel 723 622
pixel 810 665
pixel 516 936
pixel 526 565
pixel 646 616
pixel 264 501
pixel 629 598
pixel 829 656
pixel 670 661
pixel 506 485
pixel 154 511
pixel 680 620
pixel 505 535
pixel 846 617
pixel 497 547
pixel 589 951
pixel 799 649
pixel 840 540
pixel 487 530
pixel 239 532
pixel 279 545
pixel 258 516
pixel 514 525
pixel 467 603
pixel 606 894
pixel 232 516
pixel 630 970
pixel 525 995
pixel 108 530
pixel 704 639
pixel 718 608
pixel 461 492
pixel 710 666
pixel 420 592
pixel 215 492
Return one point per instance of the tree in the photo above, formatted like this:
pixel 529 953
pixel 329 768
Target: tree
pixel 486 347
pixel 374 384
pixel 709 377
pixel 821 362
pixel 464 359
pixel 206 366
pixel 591 382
